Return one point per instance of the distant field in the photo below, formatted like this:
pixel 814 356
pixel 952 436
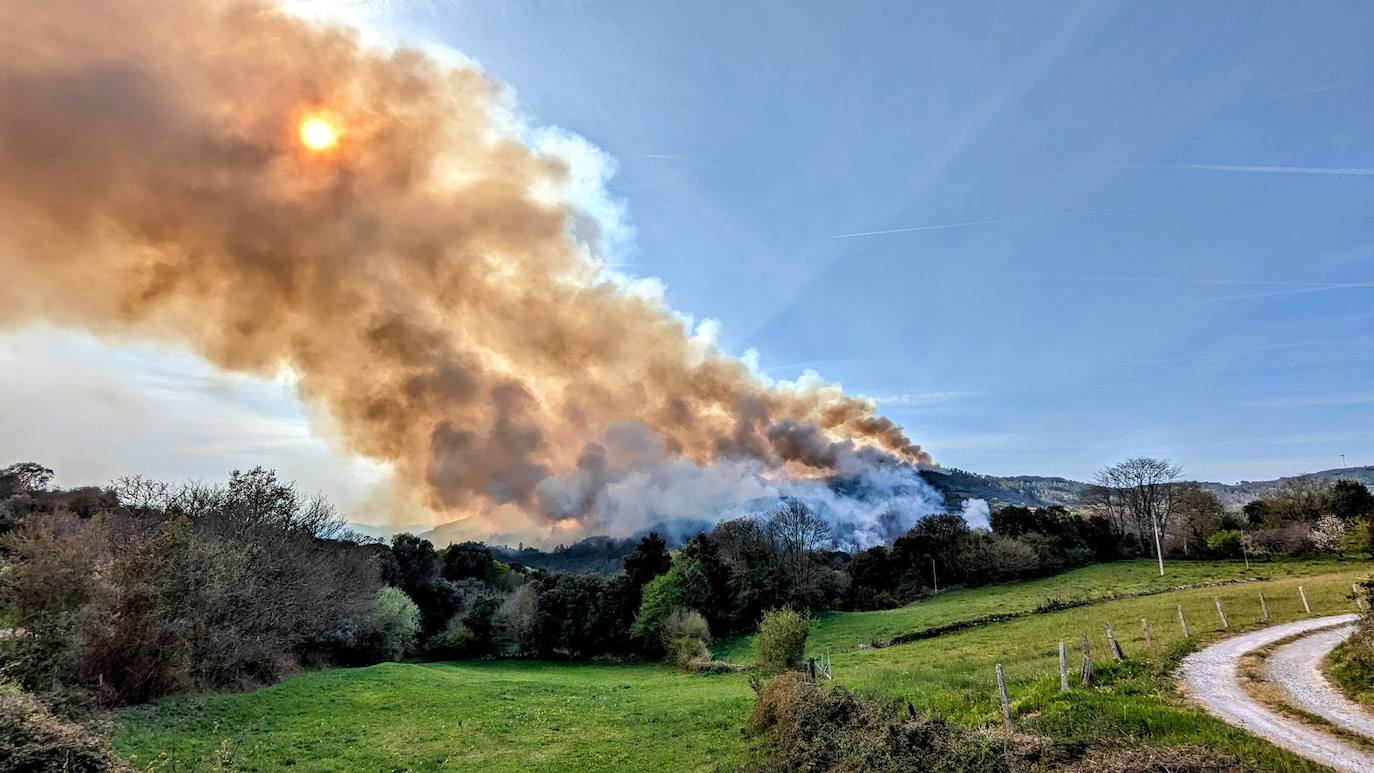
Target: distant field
pixel 551 716
pixel 839 631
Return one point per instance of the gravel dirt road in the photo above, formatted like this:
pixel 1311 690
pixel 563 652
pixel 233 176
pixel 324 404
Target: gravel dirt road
pixel 1296 668
pixel 1212 677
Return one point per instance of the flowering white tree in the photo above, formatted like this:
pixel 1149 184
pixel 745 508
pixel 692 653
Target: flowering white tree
pixel 1327 533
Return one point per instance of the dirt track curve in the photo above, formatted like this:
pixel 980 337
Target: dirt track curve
pixel 1213 679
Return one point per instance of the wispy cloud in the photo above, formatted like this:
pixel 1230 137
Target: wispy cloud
pixel 971 223
pixel 1331 171
pixel 920 398
pixel 1303 401
pixel 1275 287
pixel 1204 281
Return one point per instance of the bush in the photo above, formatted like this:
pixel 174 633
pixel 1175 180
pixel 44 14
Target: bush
pixel 685 636
pixel 455 642
pixel 1291 540
pixel 806 727
pixel 661 596
pixel 173 590
pixel 781 638
pixel 395 624
pixel 33 739
pixel 1224 544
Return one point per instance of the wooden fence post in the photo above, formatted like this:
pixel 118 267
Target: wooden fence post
pixel 1063 668
pixel 1221 613
pixel 1006 700
pixel 1085 675
pixel 1264 608
pixel 1114 644
pixel 1305 605
pixel 1183 622
pixel 1145 626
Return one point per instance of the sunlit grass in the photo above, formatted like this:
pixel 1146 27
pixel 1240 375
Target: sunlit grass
pixel 519 715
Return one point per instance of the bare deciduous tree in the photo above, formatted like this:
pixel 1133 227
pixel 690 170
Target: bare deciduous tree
pixel 1199 513
pixel 797 533
pixel 1139 494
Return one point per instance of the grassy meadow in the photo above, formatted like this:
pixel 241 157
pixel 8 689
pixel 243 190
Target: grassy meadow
pixel 519 715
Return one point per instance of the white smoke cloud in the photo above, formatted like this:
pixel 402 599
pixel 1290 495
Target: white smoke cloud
pixel 630 482
pixel 975 511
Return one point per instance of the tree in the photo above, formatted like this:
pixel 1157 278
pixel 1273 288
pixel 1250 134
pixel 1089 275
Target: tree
pixel 469 561
pixel 758 580
pixel 1139 493
pixel 935 538
pixel 417 569
pixel 797 533
pixel 24 478
pixel 1327 534
pixel 395 624
pixel 1351 501
pixel 1199 512
pixel 649 559
pixel 1299 499
pixel 681 587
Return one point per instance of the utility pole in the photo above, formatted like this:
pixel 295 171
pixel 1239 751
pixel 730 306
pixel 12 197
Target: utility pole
pixel 1159 549
pixel 933 579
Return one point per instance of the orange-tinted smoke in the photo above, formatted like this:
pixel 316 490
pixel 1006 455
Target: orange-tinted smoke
pixel 435 301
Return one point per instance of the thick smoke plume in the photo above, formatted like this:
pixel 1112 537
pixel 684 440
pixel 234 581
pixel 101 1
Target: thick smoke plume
pixel 427 280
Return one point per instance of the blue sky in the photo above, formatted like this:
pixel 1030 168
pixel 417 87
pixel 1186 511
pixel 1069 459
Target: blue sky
pixel 1158 241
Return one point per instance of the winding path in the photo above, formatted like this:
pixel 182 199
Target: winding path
pixel 1296 668
pixel 1213 679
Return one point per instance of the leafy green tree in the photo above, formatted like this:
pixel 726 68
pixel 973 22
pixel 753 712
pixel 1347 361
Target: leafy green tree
pixel 663 594
pixel 1351 501
pixel 395 624
pixel 417 570
pixel 1225 544
pixel 469 561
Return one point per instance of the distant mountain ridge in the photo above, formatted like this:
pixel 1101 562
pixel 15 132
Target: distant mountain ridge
pixel 1044 491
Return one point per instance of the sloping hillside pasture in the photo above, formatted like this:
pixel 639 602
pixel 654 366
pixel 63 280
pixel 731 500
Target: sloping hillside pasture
pixel 839 631
pixel 559 716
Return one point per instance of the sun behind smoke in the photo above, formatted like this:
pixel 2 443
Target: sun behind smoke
pixel 318 134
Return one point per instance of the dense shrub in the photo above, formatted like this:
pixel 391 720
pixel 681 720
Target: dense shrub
pixel 452 643
pixel 33 739
pixel 685 636
pixel 806 727
pixel 181 589
pixel 781 639
pixel 1225 544
pixel 1294 539
pixel 392 629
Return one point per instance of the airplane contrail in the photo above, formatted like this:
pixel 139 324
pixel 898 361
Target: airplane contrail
pixel 969 223
pixel 1346 171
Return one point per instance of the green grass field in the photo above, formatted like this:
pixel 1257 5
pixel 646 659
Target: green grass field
pixel 552 716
